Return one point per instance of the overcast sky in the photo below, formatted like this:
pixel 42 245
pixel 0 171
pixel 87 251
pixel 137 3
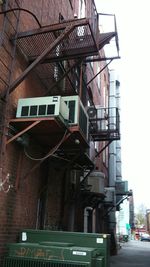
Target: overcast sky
pixel 133 20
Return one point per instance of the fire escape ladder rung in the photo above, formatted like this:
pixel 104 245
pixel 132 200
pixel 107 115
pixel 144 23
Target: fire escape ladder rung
pixel 23 131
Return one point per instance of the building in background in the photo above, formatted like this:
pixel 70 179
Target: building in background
pixel 59 119
pixel 124 229
pixel 119 211
pixel 148 221
pixel 132 213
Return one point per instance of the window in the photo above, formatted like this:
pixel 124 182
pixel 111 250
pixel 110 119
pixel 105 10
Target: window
pixel 81 13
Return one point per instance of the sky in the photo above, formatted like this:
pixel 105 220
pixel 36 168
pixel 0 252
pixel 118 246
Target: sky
pixel 133 20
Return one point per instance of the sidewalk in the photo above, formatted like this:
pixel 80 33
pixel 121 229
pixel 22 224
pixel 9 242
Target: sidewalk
pixel 132 254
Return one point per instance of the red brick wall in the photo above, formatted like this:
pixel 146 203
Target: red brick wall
pixel 54 197
pixel 18 208
pixel 47 12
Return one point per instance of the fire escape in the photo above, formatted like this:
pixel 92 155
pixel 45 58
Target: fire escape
pixel 57 54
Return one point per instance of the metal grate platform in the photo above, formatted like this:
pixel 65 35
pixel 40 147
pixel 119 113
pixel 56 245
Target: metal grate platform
pixel 79 42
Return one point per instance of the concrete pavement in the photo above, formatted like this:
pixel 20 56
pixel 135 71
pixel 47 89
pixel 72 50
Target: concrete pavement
pixel 132 254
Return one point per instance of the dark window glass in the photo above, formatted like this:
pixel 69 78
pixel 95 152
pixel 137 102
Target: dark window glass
pixel 72 111
pixel 42 110
pixel 83 121
pixel 24 111
pixel 33 110
pixel 51 110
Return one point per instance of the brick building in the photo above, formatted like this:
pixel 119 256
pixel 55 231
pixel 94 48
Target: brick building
pixel 53 49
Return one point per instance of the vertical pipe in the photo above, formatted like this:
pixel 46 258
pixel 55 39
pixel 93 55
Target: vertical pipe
pixel 85 220
pixel 115 147
pixel 94 221
pixel 112 146
pixel 86 215
pixel 118 142
pixel 71 218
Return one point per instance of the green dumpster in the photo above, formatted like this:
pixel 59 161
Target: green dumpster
pixel 42 248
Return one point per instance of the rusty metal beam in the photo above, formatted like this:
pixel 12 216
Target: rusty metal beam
pixel 63 76
pixel 99 72
pixel 99 152
pixel 100 59
pixel 86 176
pixel 22 132
pixel 53 27
pixel 38 60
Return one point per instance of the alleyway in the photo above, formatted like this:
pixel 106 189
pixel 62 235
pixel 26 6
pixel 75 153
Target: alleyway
pixel 132 254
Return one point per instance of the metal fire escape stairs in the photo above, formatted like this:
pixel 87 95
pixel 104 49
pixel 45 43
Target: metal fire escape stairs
pixel 48 47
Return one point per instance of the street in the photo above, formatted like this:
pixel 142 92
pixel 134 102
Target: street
pixel 132 253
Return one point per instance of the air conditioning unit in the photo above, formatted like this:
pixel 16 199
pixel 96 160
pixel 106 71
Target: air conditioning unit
pixel 103 116
pixel 92 113
pixel 121 187
pixel 96 181
pixel 98 118
pixel 77 113
pixel 42 107
pixel 110 195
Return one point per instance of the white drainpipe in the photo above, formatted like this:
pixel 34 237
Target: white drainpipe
pixel 112 146
pixel 86 215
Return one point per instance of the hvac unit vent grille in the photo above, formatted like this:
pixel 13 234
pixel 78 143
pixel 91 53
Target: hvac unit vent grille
pixel 37 107
pixel 77 113
pixel 15 262
pixel 40 110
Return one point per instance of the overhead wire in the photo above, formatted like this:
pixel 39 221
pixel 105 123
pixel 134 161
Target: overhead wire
pixel 52 151
pixel 21 9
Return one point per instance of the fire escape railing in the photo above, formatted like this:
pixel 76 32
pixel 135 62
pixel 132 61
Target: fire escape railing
pixel 46 48
pixel 104 123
